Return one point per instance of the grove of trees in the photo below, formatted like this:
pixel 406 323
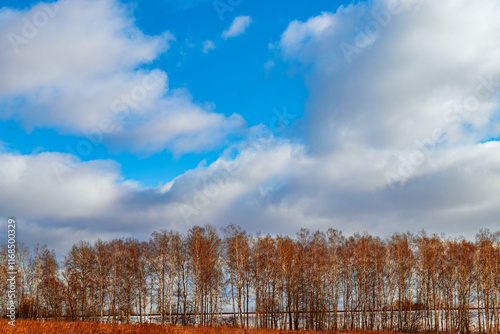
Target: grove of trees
pixel 317 280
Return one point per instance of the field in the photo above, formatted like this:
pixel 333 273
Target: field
pixel 62 327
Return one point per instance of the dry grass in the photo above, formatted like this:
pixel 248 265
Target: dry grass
pixel 63 327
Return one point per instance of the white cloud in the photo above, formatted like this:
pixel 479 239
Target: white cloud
pixel 32 189
pixel 385 81
pixel 238 27
pixel 187 128
pixel 401 88
pixel 207 46
pixel 298 33
pixel 87 76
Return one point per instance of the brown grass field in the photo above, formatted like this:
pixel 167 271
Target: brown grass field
pixel 63 327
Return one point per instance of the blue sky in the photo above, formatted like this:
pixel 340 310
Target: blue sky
pixel 121 118
pixel 233 76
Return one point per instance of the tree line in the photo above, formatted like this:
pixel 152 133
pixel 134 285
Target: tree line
pixel 316 280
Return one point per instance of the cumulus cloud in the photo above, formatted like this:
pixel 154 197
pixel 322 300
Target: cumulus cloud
pixel 79 67
pixel 402 100
pixel 238 27
pixel 397 79
pixel 32 187
pixel 207 46
pixel 299 33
